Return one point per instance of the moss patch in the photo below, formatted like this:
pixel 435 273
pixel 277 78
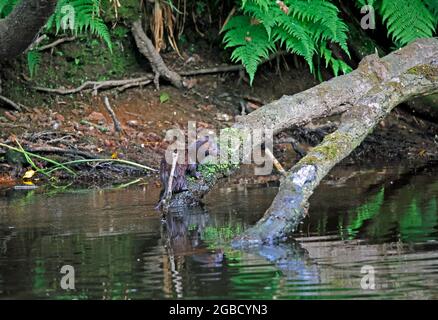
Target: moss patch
pixel 428 71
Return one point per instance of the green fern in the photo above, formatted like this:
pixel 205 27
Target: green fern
pixel 302 27
pixel 87 18
pixel 432 5
pixel 407 20
pixel 251 42
pixel 33 61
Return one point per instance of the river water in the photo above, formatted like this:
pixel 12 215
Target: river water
pixel 120 248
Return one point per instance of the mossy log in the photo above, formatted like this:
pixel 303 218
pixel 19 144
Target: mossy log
pixel 335 96
pixel 290 204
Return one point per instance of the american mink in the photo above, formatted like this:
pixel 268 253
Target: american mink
pixel 182 170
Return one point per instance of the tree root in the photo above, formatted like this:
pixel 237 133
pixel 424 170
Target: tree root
pixel 94 86
pixel 146 47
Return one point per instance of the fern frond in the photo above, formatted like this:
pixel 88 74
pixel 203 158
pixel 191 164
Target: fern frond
pixel 432 5
pixel 33 61
pixel 250 41
pixel 86 18
pixel 296 46
pixel 407 20
pixel 337 65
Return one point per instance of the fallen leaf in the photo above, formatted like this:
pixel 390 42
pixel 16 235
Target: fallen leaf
pixel 29 174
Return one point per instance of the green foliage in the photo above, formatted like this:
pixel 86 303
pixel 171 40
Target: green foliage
pixel 33 60
pixel 86 19
pixel 302 27
pixel 6 7
pixel 76 16
pixel 308 28
pixel 432 5
pixel 407 20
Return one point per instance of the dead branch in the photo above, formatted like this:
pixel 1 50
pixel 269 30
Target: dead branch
pixel 50 149
pixel 219 69
pixel 168 194
pixel 117 125
pixel 146 47
pixel 56 43
pixel 277 163
pixel 227 68
pixel 98 85
pixel 10 103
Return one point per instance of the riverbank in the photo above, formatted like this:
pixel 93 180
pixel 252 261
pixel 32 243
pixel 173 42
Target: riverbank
pixel 78 126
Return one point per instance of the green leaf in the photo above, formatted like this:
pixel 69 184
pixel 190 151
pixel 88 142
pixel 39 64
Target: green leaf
pixel 164 97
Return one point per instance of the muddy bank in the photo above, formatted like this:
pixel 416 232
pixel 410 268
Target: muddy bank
pixel 72 127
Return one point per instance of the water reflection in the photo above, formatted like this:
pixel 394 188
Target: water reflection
pixel 122 249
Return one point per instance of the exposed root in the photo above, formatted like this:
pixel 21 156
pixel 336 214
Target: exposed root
pixel 94 86
pixel 146 47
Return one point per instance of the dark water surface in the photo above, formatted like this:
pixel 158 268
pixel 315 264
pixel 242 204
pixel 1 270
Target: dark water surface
pixel 120 248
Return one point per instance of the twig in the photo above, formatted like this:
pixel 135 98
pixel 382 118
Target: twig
pixel 134 84
pixel 168 194
pixel 55 43
pixel 227 68
pixel 98 127
pixel 48 149
pixel 232 12
pixel 10 103
pixel 134 164
pixel 117 126
pixel 277 164
pixel 220 69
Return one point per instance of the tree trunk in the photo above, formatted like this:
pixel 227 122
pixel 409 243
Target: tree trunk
pixel 335 96
pixel 19 28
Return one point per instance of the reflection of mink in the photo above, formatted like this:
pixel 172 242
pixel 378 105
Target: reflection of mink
pixel 179 183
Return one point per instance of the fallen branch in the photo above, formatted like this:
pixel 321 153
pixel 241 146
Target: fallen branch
pixel 97 126
pixel 146 47
pixel 49 149
pixel 374 88
pixel 10 103
pixel 97 85
pixel 56 43
pixel 276 163
pixel 227 68
pixel 290 205
pixel 117 126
